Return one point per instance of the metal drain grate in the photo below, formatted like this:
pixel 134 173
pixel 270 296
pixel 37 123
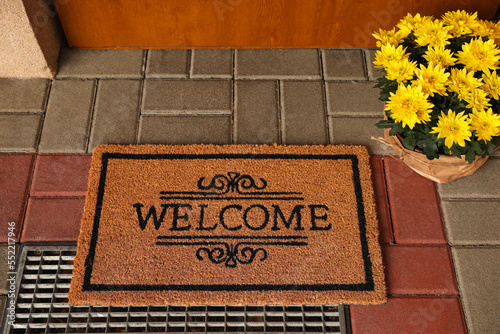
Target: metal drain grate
pixel 44 275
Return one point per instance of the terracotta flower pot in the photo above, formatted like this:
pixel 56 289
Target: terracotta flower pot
pixel 443 170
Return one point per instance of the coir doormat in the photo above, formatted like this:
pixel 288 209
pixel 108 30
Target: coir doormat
pixel 206 224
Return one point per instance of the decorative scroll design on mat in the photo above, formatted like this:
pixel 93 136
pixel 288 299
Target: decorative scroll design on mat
pixel 232 184
pixel 229 253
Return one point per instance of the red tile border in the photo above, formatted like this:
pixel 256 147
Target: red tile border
pixel 15 177
pixel 414 204
pixel 402 315
pixel 419 270
pixel 61 175
pixel 50 219
pixel 380 191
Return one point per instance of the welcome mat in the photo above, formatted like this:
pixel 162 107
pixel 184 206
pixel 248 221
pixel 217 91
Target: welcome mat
pixel 203 224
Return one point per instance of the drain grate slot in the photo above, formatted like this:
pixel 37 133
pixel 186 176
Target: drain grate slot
pixel 44 276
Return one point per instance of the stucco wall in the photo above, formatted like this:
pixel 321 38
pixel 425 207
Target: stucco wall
pixel 30 39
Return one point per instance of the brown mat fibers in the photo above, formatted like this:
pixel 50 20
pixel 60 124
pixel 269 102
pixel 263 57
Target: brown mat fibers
pixel 205 224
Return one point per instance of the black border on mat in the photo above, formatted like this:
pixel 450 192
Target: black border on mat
pixel 368 285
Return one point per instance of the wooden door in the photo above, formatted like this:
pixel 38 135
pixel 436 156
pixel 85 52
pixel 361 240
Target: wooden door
pixel 242 23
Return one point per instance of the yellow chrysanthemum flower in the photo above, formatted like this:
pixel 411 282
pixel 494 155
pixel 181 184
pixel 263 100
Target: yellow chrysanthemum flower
pixel 488 29
pixel 407 24
pixel 462 22
pixel 486 124
pixel 387 54
pixel 409 105
pixel 385 37
pixel 401 70
pixel 479 56
pixel 462 82
pixel 440 55
pixel 477 100
pixel 432 33
pixel 491 84
pixel 453 127
pixel 432 78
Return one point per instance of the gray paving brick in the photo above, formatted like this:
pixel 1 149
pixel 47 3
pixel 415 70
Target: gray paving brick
pixel 358 131
pixel 339 64
pixel 100 63
pixel 472 222
pixel 353 99
pixel 373 73
pixel 67 121
pixel 3 301
pixel 211 64
pixel 277 64
pixel 187 96
pixel 185 130
pixel 19 132
pixel 256 119
pixel 5 258
pixel 116 113
pixel 167 64
pixel 303 113
pixel 24 95
pixel 478 270
pixel 482 184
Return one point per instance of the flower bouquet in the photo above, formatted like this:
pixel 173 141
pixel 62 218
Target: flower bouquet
pixel 441 86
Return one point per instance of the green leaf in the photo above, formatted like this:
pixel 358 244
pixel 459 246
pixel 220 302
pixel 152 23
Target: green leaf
pixel 427 142
pixel 385 124
pixel 470 155
pixel 381 82
pixel 419 136
pixel 409 142
pixel 476 147
pixel 490 148
pixel 431 152
pixel 384 97
pixel 398 128
pixel 455 151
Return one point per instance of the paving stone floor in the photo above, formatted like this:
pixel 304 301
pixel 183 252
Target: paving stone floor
pixel 441 243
